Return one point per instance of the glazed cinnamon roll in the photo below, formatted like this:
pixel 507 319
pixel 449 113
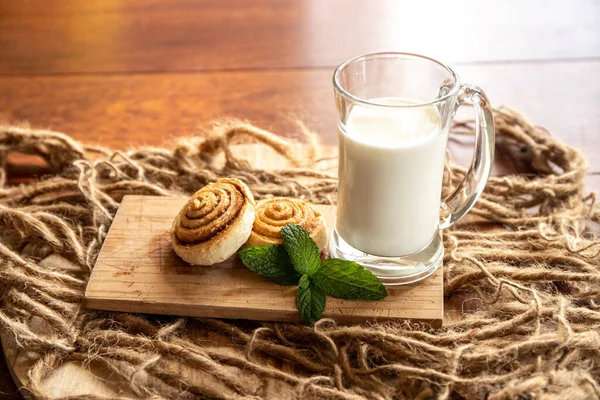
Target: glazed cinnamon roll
pixel 273 214
pixel 214 223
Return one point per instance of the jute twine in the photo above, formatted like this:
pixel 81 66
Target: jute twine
pixel 530 329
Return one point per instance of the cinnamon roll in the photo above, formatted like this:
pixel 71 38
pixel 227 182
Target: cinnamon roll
pixel 214 223
pixel 273 214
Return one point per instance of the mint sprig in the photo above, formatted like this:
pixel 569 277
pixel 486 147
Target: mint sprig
pixel 303 251
pixel 310 300
pixel 270 262
pixel 298 261
pixel 348 280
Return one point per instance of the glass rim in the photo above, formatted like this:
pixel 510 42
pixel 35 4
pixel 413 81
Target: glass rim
pixel 393 54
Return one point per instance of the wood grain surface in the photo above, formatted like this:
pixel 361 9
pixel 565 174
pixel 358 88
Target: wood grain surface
pixel 126 73
pixel 71 36
pixel 137 271
pixel 123 111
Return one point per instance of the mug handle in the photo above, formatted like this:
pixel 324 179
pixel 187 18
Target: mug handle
pixel 466 194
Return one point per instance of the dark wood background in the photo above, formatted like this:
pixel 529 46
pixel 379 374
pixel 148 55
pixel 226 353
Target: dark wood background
pixel 126 73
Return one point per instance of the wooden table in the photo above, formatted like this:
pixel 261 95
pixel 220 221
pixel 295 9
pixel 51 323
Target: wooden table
pixel 125 73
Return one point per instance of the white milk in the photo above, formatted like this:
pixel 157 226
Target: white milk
pixel 391 166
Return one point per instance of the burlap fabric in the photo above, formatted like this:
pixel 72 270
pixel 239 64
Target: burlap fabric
pixel 530 288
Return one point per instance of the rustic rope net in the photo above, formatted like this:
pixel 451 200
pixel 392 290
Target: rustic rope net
pixel 531 290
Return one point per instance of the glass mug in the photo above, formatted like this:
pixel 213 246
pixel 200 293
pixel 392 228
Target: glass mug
pixel 394 114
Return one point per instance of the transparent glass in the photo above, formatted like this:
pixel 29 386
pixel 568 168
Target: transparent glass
pixel 394 114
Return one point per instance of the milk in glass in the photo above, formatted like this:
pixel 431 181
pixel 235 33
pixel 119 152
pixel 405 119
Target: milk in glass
pixel 391 166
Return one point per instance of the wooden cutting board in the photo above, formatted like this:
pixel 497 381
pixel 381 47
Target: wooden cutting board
pixel 137 271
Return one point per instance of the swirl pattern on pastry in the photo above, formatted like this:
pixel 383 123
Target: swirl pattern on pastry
pixel 273 214
pixel 215 220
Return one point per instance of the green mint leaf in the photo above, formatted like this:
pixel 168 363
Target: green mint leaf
pixel 271 262
pixel 310 300
pixel 303 251
pixel 348 280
